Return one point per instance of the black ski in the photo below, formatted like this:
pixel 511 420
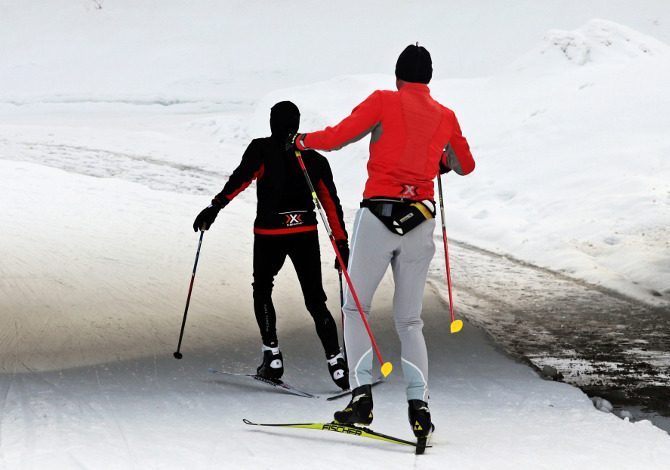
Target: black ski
pixel 343 429
pixel 277 383
pixel 348 392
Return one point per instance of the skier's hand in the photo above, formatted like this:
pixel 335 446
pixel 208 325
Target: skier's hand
pixel 343 248
pixel 444 168
pixel 295 142
pixel 206 218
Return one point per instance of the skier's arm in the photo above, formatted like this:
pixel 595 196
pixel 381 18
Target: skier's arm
pixel 327 193
pixel 250 168
pixel 456 155
pixel 354 127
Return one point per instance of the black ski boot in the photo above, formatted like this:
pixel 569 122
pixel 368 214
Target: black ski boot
pixel 273 364
pixel 339 371
pixel 359 409
pixel 419 418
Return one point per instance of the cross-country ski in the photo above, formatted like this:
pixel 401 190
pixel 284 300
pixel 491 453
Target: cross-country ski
pixel 349 430
pixel 275 383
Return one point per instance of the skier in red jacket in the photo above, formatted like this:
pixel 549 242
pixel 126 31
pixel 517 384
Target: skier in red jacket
pixel 413 139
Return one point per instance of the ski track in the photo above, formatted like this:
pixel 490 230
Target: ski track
pixel 53 406
pixel 5 388
pixel 152 172
pixel 28 418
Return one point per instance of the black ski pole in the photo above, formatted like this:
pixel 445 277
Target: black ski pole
pixel 344 344
pixel 177 354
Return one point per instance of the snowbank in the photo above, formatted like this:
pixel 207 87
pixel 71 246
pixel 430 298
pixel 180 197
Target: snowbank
pixel 597 42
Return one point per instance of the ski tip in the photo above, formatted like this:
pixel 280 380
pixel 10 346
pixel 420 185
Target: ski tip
pixel 246 421
pixel 387 368
pixel 456 326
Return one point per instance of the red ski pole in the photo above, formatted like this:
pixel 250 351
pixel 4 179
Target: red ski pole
pixel 387 367
pixel 456 325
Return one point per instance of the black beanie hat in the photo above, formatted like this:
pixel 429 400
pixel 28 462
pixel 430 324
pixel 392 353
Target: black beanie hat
pixel 284 119
pixel 414 65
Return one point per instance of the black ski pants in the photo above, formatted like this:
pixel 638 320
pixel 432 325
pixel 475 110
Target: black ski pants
pixel 270 252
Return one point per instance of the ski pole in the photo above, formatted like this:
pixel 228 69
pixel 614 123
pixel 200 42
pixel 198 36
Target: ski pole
pixel 386 367
pixel 177 354
pixel 344 344
pixel 456 325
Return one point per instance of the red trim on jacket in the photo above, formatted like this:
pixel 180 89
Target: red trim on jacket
pixel 331 211
pixel 245 184
pixel 284 231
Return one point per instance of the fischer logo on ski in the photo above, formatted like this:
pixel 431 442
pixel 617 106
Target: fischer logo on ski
pixel 343 429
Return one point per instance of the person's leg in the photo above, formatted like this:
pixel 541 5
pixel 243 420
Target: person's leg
pixel 410 269
pixel 372 247
pixel 269 256
pixel 305 255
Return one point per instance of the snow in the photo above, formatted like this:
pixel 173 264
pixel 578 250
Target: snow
pixel 101 174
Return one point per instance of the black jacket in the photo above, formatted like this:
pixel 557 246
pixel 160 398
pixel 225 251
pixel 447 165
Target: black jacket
pixel 284 201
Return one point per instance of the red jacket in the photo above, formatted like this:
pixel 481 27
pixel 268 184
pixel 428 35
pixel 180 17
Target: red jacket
pixel 411 134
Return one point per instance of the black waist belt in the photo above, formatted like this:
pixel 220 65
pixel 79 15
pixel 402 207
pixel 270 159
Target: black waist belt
pixel 398 215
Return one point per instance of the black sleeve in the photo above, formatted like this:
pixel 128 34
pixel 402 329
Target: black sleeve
pixel 250 168
pixel 325 189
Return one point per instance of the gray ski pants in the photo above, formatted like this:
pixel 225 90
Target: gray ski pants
pixel 373 248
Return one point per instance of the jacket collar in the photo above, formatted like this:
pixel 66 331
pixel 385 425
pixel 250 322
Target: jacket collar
pixel 415 88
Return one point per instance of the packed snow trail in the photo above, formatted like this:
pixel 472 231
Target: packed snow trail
pixel 605 343
pixel 156 412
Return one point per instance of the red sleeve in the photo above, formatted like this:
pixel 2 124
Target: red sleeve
pixel 331 204
pixel 354 127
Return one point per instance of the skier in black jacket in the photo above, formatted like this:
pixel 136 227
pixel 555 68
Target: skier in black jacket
pixel 285 225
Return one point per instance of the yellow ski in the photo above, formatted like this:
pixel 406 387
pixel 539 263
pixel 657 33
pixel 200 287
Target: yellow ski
pixel 340 428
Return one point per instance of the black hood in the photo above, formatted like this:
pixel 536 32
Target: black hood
pixel 284 119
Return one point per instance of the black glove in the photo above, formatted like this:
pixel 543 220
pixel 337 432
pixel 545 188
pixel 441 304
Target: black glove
pixel 206 218
pixel 292 141
pixel 343 248
pixel 444 168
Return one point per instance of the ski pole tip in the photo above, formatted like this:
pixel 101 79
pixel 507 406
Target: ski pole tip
pixel 387 368
pixel 456 326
